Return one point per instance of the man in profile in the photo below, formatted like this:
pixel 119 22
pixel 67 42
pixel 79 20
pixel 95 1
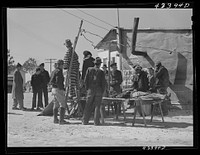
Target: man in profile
pixel 57 83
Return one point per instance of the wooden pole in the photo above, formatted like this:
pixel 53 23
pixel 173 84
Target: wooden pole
pixel 109 78
pixel 134 35
pixel 119 38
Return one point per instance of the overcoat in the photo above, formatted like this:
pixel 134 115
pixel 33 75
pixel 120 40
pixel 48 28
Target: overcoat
pixel 17 87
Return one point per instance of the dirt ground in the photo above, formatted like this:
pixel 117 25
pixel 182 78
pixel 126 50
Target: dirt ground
pixel 26 129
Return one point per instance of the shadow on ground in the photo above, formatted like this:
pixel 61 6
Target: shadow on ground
pixel 13 113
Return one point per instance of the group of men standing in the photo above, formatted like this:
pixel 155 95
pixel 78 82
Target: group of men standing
pixel 94 79
pixel 39 83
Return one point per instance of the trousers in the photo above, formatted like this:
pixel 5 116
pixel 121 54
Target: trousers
pixel 18 101
pixel 93 102
pixel 59 95
pixel 35 94
pixel 45 92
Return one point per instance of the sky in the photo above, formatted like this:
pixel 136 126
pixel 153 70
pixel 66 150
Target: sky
pixel 40 33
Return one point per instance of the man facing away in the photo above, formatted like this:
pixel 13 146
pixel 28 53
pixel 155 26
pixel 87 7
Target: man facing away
pixel 88 61
pixel 115 84
pixel 45 77
pixel 17 89
pixel 36 83
pixel 95 85
pixel 57 83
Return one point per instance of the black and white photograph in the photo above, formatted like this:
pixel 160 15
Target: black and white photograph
pixel 100 77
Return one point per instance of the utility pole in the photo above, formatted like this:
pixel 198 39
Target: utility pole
pixel 50 61
pixel 119 37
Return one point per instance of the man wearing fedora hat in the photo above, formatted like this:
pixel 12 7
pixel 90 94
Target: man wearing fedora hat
pixel 17 89
pixel 95 85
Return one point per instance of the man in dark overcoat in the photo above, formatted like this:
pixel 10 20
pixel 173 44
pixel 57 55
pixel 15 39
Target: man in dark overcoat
pixel 37 83
pixel 140 80
pixel 88 61
pixel 95 85
pixel 17 89
pixel 45 78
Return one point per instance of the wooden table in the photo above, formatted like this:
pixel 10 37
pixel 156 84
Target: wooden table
pixel 138 104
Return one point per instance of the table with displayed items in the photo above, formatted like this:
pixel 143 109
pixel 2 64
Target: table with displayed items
pixel 140 99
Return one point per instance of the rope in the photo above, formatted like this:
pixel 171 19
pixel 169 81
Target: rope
pixel 92 33
pixel 92 43
pixel 96 18
pixel 84 19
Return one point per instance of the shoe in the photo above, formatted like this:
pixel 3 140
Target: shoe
pixel 63 122
pixel 23 109
pixel 15 108
pixel 38 109
pixel 84 123
pixel 62 114
pixel 55 114
pixel 32 109
pixel 97 124
pixel 56 121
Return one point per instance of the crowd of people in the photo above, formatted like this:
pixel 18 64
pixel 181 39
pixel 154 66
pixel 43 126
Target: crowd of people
pixel 93 79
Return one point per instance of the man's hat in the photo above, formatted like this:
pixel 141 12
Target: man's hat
pixel 86 53
pixel 67 41
pixel 113 64
pixel 18 65
pixel 60 62
pixel 37 69
pixel 97 60
pixel 138 67
pixel 42 64
pixel 104 66
pixel 158 63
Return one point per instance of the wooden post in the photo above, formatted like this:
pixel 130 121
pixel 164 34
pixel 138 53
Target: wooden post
pixel 120 43
pixel 109 78
pixel 134 35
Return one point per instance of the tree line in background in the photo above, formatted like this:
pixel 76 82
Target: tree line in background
pixel 28 66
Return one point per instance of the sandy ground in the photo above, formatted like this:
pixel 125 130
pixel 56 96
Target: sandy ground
pixel 26 129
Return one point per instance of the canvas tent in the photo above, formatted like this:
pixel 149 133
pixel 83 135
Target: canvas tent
pixel 158 44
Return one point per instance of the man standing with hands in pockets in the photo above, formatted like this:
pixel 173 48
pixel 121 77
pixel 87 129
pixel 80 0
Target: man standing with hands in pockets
pixel 95 85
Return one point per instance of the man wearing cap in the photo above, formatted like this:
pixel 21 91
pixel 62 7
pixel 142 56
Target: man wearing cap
pixel 88 61
pixel 57 83
pixel 36 83
pixel 115 83
pixel 95 85
pixel 17 89
pixel 45 78
pixel 140 79
pixel 73 79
